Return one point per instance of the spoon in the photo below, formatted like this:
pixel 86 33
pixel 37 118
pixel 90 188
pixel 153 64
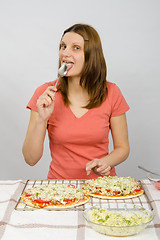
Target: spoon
pixel 61 72
pixel 148 171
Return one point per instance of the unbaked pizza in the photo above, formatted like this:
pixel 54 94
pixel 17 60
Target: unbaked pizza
pixel 113 187
pixel 54 196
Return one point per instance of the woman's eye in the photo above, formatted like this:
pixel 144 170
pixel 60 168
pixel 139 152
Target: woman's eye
pixel 63 46
pixel 76 47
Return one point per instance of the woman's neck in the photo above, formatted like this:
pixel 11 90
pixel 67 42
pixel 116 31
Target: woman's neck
pixel 74 86
pixel 77 93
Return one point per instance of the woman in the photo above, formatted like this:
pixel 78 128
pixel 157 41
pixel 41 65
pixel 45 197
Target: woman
pixel 79 113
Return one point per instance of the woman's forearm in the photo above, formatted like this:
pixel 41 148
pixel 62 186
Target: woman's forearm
pixel 117 156
pixel 121 145
pixel 34 141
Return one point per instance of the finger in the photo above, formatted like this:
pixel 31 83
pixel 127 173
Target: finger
pixel 91 165
pixel 103 167
pixel 95 171
pixel 48 93
pixel 105 171
pixel 49 99
pixel 51 94
pixel 44 102
pixel 52 88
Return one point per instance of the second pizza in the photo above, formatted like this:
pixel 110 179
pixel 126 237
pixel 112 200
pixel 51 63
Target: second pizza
pixel 113 187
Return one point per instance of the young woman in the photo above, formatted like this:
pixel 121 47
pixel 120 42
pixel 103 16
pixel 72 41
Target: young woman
pixel 79 113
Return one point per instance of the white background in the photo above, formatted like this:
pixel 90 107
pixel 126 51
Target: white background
pixel 30 32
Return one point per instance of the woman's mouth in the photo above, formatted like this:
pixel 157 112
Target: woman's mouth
pixel 69 65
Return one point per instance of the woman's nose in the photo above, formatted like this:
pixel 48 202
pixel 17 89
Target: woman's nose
pixel 66 52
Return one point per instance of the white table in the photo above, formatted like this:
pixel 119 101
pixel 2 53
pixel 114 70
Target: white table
pixel 41 224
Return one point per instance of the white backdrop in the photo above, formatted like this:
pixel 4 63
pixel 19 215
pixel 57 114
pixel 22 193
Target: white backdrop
pixel 30 32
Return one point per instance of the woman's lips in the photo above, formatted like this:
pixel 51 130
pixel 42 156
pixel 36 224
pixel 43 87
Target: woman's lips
pixel 69 66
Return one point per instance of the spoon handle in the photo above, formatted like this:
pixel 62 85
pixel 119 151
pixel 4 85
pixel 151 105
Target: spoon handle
pixel 148 171
pixel 57 82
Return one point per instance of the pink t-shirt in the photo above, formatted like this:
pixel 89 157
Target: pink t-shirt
pixel 76 141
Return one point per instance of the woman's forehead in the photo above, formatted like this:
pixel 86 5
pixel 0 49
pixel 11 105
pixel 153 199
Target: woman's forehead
pixel 72 37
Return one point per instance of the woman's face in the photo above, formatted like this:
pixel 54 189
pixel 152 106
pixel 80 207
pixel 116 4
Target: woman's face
pixel 72 53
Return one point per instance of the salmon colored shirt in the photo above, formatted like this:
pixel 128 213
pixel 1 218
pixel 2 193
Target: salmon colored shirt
pixel 76 141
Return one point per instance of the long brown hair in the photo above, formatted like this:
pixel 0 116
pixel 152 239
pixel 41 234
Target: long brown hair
pixel 94 72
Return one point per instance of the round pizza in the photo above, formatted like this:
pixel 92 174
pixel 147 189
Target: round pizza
pixel 51 196
pixel 113 187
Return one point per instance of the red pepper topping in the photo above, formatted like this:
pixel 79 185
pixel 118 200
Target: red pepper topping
pixel 42 201
pixel 137 189
pixel 71 186
pixel 28 194
pixel 108 190
pixel 69 200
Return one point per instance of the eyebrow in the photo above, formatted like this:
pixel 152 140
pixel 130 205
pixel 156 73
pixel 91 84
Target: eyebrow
pixel 74 43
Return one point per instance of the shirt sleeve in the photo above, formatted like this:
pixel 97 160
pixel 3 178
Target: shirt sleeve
pixel 32 104
pixel 118 102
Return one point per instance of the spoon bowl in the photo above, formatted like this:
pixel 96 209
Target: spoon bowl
pixel 62 71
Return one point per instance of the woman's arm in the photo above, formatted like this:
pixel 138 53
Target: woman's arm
pixel 34 141
pixel 121 150
pixel 33 144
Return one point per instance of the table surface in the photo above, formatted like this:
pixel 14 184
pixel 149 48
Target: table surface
pixel 17 222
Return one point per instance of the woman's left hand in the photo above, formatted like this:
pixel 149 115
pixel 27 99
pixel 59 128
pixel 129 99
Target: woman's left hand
pixel 98 166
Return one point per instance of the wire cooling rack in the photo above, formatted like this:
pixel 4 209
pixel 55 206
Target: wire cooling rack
pixel 136 202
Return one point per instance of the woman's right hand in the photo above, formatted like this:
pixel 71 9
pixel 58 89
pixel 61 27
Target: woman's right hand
pixel 45 103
